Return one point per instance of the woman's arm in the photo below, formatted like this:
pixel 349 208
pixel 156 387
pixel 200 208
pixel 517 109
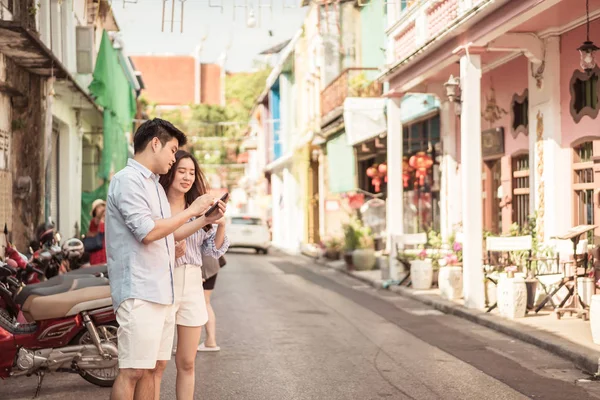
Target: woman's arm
pixel 220 235
pixel 214 246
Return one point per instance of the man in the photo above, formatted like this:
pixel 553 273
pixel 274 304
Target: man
pixel 141 256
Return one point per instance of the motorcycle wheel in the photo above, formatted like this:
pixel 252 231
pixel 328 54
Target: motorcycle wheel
pixel 104 377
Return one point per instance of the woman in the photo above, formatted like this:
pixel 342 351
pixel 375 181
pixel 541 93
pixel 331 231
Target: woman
pixel 183 184
pixel 97 228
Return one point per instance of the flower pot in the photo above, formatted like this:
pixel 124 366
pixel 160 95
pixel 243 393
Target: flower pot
pixel 364 259
pixel 450 282
pixel 595 318
pixel 586 289
pixel 531 285
pixel 383 264
pixel 332 254
pixel 421 274
pixel 512 297
pixel 348 259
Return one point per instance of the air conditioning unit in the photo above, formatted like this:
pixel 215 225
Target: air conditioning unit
pixel 84 37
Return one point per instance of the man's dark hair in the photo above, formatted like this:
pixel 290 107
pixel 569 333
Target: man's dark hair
pixel 159 128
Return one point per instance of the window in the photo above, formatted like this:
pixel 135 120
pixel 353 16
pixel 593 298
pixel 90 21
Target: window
pixel 520 201
pixel 584 183
pixel 519 112
pixel 585 93
pixel 422 194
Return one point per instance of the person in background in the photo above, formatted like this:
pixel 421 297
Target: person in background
pixel 184 183
pixel 97 228
pixel 211 269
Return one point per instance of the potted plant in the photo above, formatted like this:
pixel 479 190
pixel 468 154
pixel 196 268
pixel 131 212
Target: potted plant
pixel 434 251
pixel 333 248
pixel 352 235
pixel 512 293
pixel 595 316
pixel 450 278
pixel 421 271
pixel 363 257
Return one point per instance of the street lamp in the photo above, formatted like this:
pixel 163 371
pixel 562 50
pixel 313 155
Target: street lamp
pixel 452 91
pixel 588 48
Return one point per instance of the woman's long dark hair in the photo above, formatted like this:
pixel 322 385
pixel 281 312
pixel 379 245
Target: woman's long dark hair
pixel 200 185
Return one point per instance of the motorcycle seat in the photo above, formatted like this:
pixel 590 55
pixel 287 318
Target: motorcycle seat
pixel 94 270
pixel 58 284
pixel 71 298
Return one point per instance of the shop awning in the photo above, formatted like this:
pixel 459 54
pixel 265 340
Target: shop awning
pixel 364 118
pixel 341 165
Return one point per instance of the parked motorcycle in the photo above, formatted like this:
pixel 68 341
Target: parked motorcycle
pixel 70 326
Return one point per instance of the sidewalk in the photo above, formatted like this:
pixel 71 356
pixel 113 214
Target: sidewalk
pixel 569 337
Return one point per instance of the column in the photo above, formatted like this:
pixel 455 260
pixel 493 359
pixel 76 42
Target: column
pixel 549 162
pixel 276 194
pixel 470 123
pixel 395 199
pixel 322 194
pixel 450 198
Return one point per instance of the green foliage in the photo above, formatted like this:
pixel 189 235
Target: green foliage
pixel 334 244
pixel 357 236
pixel 242 90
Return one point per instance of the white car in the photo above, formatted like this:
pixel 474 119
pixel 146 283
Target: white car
pixel 249 232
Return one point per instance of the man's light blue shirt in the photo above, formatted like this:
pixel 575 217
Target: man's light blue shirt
pixel 136 270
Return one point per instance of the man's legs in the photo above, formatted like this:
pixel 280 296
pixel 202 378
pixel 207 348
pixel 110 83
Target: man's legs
pixel 161 365
pixel 145 387
pixel 141 328
pixel 125 384
pixel 166 348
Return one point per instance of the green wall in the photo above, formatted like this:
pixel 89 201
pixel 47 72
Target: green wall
pixel 372 24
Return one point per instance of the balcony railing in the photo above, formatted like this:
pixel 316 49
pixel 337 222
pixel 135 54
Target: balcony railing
pixel 420 21
pixel 352 82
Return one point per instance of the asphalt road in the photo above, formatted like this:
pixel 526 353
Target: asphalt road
pixel 292 330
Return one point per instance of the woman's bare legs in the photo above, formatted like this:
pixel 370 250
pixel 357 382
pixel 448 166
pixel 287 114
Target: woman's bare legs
pixel 188 338
pixel 211 325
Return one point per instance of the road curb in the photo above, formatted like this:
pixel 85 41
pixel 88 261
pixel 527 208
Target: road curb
pixel 582 357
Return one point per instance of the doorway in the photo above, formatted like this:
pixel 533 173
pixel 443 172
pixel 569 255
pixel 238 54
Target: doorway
pixel 491 182
pixel 313 202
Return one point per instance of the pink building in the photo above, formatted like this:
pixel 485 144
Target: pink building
pixel 522 135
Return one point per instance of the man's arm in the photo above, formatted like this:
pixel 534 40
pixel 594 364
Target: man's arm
pixel 131 200
pixel 188 229
pixel 166 226
pixel 200 222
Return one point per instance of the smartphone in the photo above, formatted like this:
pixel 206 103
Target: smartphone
pixel 214 206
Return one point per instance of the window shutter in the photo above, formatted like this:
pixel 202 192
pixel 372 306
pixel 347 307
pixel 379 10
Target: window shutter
pixel 84 38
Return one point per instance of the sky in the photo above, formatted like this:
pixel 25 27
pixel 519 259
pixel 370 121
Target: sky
pixel 141 22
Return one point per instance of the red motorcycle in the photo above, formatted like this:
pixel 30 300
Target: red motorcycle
pixel 71 327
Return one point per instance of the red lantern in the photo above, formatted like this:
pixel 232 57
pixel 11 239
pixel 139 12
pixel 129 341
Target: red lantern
pixel 371 172
pixel 406 171
pixel 421 162
pixel 382 168
pixel 377 183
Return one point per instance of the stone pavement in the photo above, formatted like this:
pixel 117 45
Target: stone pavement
pixel 569 337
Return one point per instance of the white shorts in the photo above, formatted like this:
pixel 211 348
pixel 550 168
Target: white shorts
pixel 145 333
pixel 190 306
